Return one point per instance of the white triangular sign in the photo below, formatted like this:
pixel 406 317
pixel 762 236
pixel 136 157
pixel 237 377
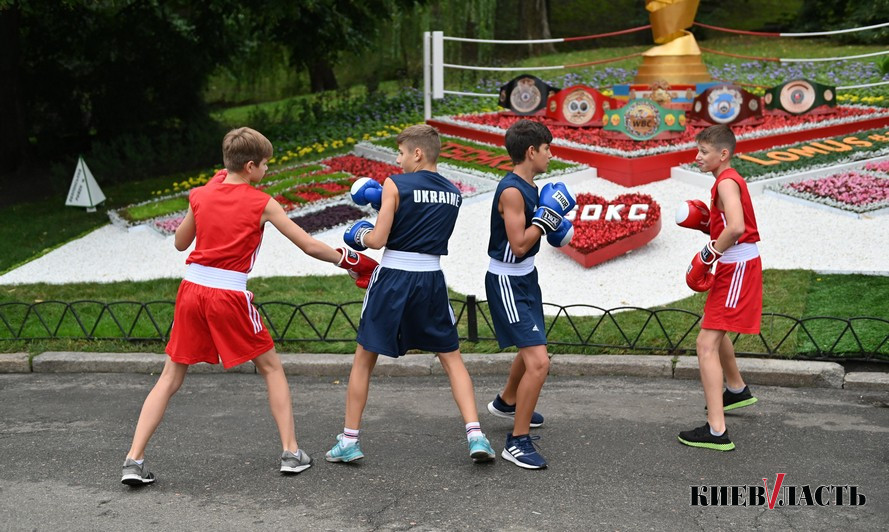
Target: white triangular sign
pixel 84 191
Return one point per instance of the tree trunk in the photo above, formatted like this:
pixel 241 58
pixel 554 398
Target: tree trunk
pixel 321 76
pixel 535 25
pixel 13 132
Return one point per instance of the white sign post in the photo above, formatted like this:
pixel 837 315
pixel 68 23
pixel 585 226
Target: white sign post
pixel 84 191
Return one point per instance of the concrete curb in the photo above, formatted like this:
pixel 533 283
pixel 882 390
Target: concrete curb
pixel 15 363
pixel 769 372
pixel 866 381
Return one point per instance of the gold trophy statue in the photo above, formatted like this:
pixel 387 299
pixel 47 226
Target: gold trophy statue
pixel 678 59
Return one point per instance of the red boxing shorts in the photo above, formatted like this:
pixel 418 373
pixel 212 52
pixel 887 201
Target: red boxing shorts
pixel 210 324
pixel 735 301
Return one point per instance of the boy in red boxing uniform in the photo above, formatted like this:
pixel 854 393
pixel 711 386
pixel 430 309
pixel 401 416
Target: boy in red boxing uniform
pixel 214 316
pixel 735 299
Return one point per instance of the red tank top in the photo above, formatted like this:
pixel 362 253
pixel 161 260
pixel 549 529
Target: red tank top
pixel 227 224
pixel 717 217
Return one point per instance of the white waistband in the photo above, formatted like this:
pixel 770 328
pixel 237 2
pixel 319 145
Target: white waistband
pixel 215 277
pixel 740 253
pixel 511 268
pixel 410 261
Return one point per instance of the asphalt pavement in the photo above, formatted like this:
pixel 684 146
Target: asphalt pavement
pixel 615 462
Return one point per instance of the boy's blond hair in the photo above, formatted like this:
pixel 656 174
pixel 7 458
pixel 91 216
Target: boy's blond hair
pixel 719 136
pixel 242 145
pixel 421 136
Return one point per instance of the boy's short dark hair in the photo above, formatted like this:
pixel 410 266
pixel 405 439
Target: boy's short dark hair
pixel 719 136
pixel 242 145
pixel 524 134
pixel 421 136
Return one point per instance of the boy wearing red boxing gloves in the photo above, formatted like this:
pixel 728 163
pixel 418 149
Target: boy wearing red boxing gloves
pixel 214 317
pixel 735 299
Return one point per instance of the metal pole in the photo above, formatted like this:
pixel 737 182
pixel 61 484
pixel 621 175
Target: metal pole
pixel 471 319
pixel 427 70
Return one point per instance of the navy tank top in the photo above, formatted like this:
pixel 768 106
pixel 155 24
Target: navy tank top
pixel 428 204
pixel 498 245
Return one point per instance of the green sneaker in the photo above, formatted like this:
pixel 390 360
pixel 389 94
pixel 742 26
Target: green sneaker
pixel 731 401
pixel 703 438
pixel 480 449
pixel 344 453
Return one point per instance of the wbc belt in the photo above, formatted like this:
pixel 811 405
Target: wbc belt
pixel 800 96
pixel 644 119
pixel 726 103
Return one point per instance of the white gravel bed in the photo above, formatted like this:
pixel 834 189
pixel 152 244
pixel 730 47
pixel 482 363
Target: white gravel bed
pixel 794 237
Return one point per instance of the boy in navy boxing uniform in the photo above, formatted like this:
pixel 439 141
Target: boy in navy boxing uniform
pixel 735 299
pixel 407 305
pixel 519 217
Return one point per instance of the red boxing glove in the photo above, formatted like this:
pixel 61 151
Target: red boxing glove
pixel 360 266
pixel 219 176
pixel 694 214
pixel 698 276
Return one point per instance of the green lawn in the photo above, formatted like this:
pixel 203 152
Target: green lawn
pixel 793 293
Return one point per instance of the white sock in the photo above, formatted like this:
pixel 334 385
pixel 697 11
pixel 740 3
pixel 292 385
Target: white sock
pixel 139 461
pixel 734 390
pixel 473 429
pixel 713 432
pixel 350 436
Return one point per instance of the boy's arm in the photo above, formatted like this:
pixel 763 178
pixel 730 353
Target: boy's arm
pixel 275 214
pixel 730 196
pixel 379 235
pixel 186 231
pixel 512 208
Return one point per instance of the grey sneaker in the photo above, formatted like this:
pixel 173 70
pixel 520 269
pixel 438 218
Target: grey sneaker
pixel 295 462
pixel 136 474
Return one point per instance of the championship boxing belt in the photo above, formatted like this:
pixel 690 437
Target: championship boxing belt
pixel 725 103
pixel 644 119
pixel 666 95
pixel 579 105
pixel 525 95
pixel 800 96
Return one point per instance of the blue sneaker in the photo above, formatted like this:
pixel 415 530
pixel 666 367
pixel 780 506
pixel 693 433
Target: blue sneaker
pixel 521 452
pixel 344 453
pixel 480 449
pixel 501 409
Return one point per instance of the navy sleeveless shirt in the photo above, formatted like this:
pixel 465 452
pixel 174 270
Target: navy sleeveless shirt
pixel 498 245
pixel 428 204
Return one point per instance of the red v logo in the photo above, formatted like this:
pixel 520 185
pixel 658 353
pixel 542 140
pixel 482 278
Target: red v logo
pixel 773 497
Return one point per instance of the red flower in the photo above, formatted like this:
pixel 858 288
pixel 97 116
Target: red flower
pixel 590 235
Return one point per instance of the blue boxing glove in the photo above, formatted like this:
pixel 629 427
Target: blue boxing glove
pixel 563 235
pixel 555 196
pixel 365 190
pixel 355 234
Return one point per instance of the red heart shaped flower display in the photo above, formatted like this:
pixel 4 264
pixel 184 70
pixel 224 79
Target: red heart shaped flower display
pixel 605 229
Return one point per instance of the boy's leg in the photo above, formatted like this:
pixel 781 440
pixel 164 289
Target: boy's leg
pixel 347 447
pixel 535 361
pixel 729 364
pixel 155 405
pixel 708 349
pixel 269 366
pixel 480 449
pixel 359 386
pixel 516 371
pixel 461 385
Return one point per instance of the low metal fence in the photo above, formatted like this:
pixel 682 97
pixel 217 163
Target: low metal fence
pixel 572 328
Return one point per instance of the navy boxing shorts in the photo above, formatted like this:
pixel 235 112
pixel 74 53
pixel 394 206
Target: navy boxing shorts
pixel 407 310
pixel 516 308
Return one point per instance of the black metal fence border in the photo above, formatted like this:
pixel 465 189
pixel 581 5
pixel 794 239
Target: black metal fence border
pixel 156 316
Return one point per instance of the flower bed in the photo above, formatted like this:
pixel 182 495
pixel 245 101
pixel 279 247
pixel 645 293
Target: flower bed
pixel 790 159
pixel 604 229
pixel 592 139
pixel 858 191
